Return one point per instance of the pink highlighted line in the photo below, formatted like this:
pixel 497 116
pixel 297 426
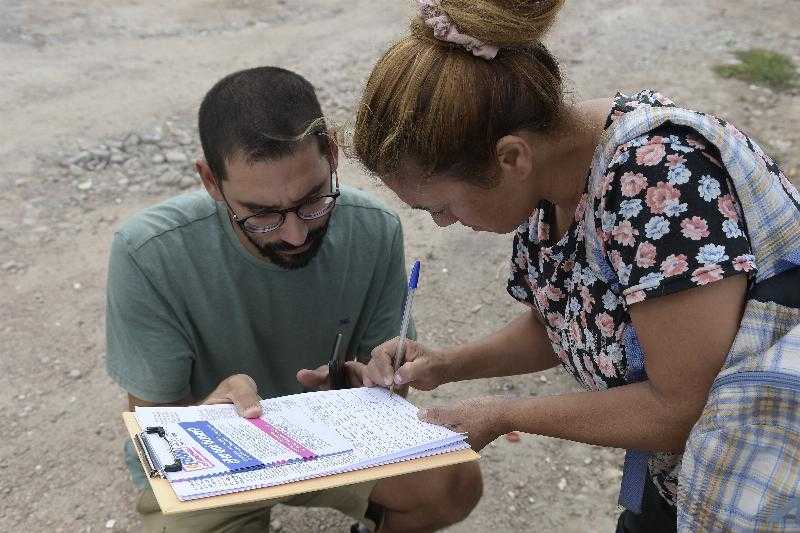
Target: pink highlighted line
pixel 283 438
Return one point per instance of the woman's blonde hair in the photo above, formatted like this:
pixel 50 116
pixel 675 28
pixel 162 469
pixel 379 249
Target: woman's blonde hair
pixel 435 104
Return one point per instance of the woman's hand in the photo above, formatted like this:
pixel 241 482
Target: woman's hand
pixel 423 368
pixel 480 418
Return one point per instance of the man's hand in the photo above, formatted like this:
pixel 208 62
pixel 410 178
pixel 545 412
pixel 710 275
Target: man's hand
pixel 423 369
pixel 241 391
pixel 317 379
pixel 480 418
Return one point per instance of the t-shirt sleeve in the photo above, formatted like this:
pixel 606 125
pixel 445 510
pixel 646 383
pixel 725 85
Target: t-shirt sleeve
pixel 384 323
pixel 146 352
pixel 667 217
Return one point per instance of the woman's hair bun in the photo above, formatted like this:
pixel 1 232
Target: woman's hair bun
pixel 505 23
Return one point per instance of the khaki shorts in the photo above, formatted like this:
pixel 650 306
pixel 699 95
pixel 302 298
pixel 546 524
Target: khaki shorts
pixel 351 500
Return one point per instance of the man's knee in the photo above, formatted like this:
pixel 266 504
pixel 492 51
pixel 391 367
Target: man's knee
pixel 463 489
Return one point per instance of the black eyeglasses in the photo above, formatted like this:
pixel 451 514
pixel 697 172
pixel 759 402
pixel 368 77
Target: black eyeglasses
pixel 270 220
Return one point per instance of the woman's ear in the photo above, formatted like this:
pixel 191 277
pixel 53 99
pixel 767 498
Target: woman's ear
pixel 514 157
pixel 208 178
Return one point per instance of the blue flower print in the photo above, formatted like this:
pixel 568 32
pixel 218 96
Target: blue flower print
pixel 679 175
pixel 610 300
pixel 711 254
pixel 673 208
pixel 656 228
pixel 624 273
pixel 709 188
pixel 731 229
pixel 651 280
pixel 630 208
pixel 608 221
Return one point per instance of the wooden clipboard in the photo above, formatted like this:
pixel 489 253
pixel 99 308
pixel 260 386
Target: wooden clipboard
pixel 170 504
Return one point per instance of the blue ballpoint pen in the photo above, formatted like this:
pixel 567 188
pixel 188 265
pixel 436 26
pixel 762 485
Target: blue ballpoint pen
pixel 400 353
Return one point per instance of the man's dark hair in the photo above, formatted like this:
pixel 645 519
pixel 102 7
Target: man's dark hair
pixel 260 113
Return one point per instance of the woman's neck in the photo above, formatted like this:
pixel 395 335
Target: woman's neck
pixel 564 156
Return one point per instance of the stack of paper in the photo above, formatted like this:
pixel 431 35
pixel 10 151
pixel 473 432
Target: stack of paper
pixel 344 430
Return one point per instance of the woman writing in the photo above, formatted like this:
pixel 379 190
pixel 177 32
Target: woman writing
pixel 465 117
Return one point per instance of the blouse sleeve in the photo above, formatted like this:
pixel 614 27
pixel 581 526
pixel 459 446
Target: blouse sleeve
pixel 668 218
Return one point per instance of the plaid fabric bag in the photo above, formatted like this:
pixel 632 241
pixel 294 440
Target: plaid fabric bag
pixel 741 465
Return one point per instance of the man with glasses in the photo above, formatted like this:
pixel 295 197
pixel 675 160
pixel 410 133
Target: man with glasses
pixel 222 295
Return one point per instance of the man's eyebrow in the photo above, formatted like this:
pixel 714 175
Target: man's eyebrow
pixel 263 207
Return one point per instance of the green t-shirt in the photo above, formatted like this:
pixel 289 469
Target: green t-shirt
pixel 188 305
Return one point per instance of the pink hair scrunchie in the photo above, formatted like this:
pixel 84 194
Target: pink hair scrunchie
pixel 443 29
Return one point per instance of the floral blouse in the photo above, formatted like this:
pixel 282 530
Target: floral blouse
pixel 668 222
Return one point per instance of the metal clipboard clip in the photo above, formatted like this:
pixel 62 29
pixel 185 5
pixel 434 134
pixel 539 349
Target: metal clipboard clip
pixel 155 469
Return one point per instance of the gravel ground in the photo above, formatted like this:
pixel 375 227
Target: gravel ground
pixel 98 106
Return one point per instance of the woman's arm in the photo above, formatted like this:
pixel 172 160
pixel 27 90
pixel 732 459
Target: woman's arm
pixel 522 346
pixel 685 337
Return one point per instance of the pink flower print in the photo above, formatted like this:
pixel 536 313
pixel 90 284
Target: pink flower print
pixel 650 154
pixel 556 320
pixel 540 295
pixel 588 299
pixel 645 255
pixel 656 139
pixel 563 356
pixel 674 265
pixel 605 323
pixel 659 195
pixel 744 263
pixel 707 274
pixel 632 183
pixel 616 114
pixel 624 233
pixel 605 365
pixel 675 160
pixel 575 331
pixel 694 142
pixel 727 207
pixel 554 293
pixel 616 259
pixel 605 184
pixel 635 297
pixel 694 228
pixel 544 231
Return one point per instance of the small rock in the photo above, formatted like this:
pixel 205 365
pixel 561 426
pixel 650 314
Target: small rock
pixel 10 265
pixel 157 159
pixel 7 490
pixel 85 185
pixel 176 156
pixel 543 379
pixel 75 170
pixel 123 182
pixel 110 524
pixel 587 461
pixel 444 271
pixel 562 484
pixel 512 494
pixel 77 286
pixel 530 499
pixel 612 473
pixel 476 308
pixel 130 142
pixel 38 468
pixel 75 374
pixel 187 182
pixel 512 509
pixel 275 525
pixel 77 159
pixel 117 159
pixel 153 137
pixel 20 182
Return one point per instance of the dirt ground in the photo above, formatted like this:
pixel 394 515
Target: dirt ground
pixel 98 102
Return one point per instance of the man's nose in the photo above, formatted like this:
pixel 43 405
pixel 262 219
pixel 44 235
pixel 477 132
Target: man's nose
pixel 294 230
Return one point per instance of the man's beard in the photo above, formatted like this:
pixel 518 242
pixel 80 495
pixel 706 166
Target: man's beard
pixel 271 251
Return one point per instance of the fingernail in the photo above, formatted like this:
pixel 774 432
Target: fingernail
pixel 387 381
pixel 397 379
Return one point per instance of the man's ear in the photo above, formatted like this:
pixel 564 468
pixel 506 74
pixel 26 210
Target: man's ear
pixel 208 178
pixel 514 157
